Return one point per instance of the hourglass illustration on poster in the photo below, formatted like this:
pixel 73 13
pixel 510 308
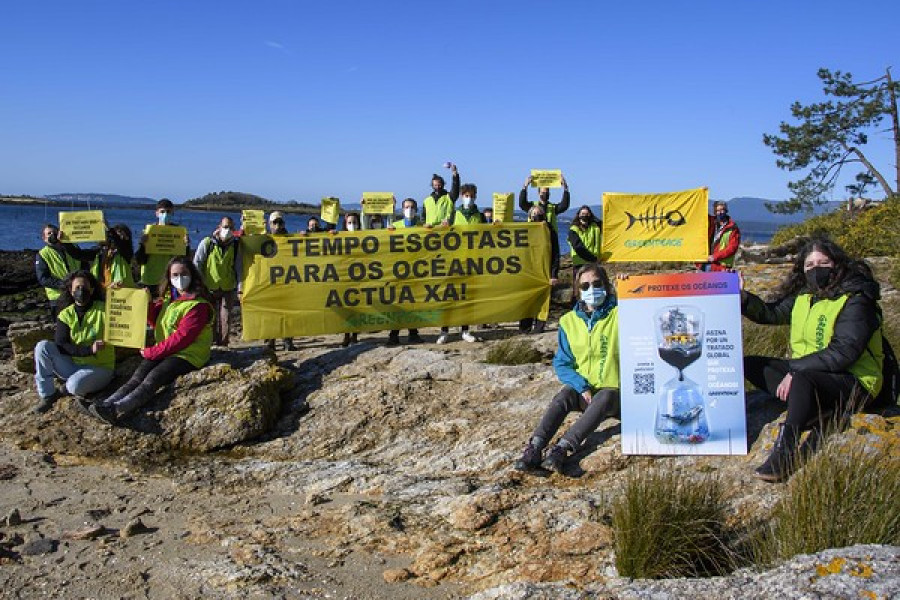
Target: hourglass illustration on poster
pixel 681 414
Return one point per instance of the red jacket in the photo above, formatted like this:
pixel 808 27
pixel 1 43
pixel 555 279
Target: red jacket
pixel 729 250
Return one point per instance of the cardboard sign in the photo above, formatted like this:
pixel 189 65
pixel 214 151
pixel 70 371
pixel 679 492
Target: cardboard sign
pixel 165 239
pixel 378 203
pixel 82 226
pixel 254 222
pixel 331 210
pixel 681 364
pixel 503 207
pixel 126 317
pixel 549 178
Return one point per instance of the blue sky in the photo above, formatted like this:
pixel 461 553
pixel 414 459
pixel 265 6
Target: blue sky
pixel 299 100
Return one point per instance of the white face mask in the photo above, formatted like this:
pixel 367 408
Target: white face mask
pixel 164 218
pixel 180 282
pixel 351 226
pixel 467 202
pixel 225 233
pixel 375 225
pixel 593 296
pixel 409 213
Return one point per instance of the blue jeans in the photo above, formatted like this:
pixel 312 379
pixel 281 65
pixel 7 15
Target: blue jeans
pixel 80 380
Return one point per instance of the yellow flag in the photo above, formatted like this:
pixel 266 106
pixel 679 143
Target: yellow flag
pixel 656 227
pixel 503 207
pixel 372 280
pixel 82 226
pixel 331 210
pixel 165 239
pixel 126 317
pixel 254 222
pixel 378 203
pixel 546 178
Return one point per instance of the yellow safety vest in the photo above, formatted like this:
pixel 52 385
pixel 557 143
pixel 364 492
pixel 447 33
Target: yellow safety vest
pixel 60 264
pixel 170 315
pixel 88 330
pixel 596 351
pixel 592 238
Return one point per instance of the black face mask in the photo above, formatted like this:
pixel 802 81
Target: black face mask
pixel 52 239
pixel 723 217
pixel 81 296
pixel 818 277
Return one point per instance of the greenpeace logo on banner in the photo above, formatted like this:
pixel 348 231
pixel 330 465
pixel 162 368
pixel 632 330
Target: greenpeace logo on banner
pixel 654 227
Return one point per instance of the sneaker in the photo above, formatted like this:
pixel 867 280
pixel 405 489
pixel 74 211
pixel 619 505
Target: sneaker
pixel 442 339
pixel 468 336
pixel 531 458
pixel 414 338
pixel 393 340
pixel 45 404
pixel 538 326
pixel 346 340
pixel 556 458
pixel 103 412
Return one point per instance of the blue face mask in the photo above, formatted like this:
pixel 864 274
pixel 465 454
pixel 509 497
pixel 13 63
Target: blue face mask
pixel 593 296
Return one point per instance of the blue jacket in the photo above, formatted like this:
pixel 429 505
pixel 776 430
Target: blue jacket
pixel 564 360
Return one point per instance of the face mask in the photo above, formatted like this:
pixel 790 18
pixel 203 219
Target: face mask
pixel 467 202
pixel 723 217
pixel 537 218
pixel 584 219
pixel 81 296
pixel 225 234
pixel 409 213
pixel 180 282
pixel 164 218
pixel 544 197
pixel 351 226
pixel 593 296
pixel 52 239
pixel 375 225
pixel 818 277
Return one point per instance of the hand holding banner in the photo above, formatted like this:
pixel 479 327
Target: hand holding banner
pixel 165 239
pixel 549 178
pixel 126 317
pixel 331 210
pixel 82 226
pixel 254 222
pixel 378 203
pixel 503 207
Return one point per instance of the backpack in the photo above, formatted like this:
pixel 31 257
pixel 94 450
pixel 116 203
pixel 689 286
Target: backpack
pixel 890 370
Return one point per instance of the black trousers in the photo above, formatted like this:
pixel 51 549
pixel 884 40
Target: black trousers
pixel 604 404
pixel 147 378
pixel 812 393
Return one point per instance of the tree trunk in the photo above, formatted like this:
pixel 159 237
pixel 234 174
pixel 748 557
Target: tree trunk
pixel 888 191
pixel 895 122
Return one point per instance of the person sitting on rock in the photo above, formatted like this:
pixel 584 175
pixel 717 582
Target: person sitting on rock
pixel 78 355
pixel 182 320
pixel 830 302
pixel 587 364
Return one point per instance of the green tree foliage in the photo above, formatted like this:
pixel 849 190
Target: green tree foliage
pixel 832 134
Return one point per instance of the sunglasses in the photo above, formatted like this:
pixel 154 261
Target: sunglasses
pixel 585 285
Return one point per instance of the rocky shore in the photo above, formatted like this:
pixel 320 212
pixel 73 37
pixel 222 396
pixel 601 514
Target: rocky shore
pixel 360 472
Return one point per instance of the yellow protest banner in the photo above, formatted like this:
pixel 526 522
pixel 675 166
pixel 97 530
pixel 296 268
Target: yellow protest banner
pixel 655 227
pixel 503 207
pixel 254 222
pixel 378 203
pixel 82 226
pixel 165 239
pixel 331 210
pixel 126 317
pixel 549 178
pixel 374 280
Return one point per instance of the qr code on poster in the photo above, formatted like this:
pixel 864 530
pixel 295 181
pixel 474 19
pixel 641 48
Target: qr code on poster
pixel 644 383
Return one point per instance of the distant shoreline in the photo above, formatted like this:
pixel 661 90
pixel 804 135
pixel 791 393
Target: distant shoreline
pixel 287 208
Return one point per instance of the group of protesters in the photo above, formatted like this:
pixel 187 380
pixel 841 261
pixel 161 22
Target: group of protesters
pixel 191 300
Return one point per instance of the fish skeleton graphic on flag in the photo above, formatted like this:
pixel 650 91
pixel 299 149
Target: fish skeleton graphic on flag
pixel 656 227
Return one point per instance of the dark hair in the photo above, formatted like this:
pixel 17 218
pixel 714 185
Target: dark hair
pixel 413 200
pixel 436 177
pixel 844 267
pixel 597 270
pixel 720 203
pixel 165 203
pixel 468 188
pixel 197 286
pixel 50 225
pixel 590 212
pixel 121 242
pixel 65 296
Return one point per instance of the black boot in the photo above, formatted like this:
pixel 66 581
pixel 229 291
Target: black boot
pixel 783 458
pixel 531 457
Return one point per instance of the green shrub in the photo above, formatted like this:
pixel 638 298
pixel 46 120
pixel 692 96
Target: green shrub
pixel 512 352
pixel 765 340
pixel 671 524
pixel 841 497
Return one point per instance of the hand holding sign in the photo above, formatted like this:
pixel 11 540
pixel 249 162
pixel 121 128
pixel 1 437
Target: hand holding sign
pixel 547 178
pixel 126 317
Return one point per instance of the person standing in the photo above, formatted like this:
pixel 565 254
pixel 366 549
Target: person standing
pixel 112 265
pixel 277 227
pixel 410 219
pixel 153 266
pixel 585 239
pixel 536 215
pixel 438 207
pixel 53 263
pixel 587 364
pixel 551 211
pixel 218 258
pixel 77 355
pixel 724 239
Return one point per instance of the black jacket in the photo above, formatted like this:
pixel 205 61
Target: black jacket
pixel 853 328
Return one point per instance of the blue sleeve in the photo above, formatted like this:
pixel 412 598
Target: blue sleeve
pixel 564 365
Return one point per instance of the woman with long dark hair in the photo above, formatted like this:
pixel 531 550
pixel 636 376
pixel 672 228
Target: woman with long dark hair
pixel 831 303
pixel 182 318
pixel 77 355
